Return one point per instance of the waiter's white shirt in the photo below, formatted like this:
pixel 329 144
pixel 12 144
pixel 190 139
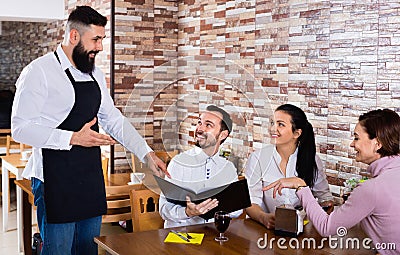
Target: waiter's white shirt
pixel 262 169
pixel 189 169
pixel 45 96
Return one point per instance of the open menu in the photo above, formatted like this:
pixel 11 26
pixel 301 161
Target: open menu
pixel 231 197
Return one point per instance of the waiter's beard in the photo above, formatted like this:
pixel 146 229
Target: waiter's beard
pixel 82 60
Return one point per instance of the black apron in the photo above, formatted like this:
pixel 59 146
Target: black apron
pixel 73 180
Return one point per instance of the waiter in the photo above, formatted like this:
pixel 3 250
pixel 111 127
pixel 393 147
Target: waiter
pixel 61 98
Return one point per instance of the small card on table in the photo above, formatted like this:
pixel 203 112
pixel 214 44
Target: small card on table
pixel 197 238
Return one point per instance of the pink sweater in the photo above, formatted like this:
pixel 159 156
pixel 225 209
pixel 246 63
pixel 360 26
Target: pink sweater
pixel 375 203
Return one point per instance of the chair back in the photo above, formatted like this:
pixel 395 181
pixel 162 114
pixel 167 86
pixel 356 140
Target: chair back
pixel 145 214
pixel 118 203
pixel 166 156
pixel 104 166
pixel 14 147
pixel 136 164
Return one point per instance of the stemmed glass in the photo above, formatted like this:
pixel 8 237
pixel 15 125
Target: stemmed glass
pixel 221 220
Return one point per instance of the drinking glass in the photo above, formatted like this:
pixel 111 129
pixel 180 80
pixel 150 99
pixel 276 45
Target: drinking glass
pixel 345 193
pixel 327 205
pixel 221 220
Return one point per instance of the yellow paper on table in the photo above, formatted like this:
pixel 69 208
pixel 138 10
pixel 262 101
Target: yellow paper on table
pixel 306 222
pixel 173 238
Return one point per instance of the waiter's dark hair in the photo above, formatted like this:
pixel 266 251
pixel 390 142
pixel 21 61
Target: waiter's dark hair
pixel 88 16
pixel 306 166
pixel 84 16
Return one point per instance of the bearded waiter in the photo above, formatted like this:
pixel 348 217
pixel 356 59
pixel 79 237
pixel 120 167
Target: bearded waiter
pixel 60 100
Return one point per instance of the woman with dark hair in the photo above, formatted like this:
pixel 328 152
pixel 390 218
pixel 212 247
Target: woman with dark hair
pixel 292 153
pixel 376 202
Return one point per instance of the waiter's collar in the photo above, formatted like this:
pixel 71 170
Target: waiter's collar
pixel 64 61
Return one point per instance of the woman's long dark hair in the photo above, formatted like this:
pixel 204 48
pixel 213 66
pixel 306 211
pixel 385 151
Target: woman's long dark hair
pixel 306 166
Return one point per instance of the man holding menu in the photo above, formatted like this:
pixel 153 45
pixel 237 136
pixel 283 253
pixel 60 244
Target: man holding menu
pixel 200 168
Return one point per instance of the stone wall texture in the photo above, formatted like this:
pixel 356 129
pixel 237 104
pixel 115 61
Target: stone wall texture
pixel 334 59
pixel 22 42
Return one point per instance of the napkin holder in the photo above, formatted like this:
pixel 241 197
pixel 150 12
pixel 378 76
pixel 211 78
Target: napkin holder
pixel 289 220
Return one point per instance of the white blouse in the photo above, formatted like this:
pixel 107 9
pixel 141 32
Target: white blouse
pixel 262 168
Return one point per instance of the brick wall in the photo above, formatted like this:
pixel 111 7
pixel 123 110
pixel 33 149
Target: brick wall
pixel 145 42
pixel 22 42
pixel 334 59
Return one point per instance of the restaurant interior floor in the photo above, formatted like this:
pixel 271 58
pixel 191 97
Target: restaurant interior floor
pixel 8 240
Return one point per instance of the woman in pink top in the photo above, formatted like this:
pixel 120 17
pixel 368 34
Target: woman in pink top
pixel 374 203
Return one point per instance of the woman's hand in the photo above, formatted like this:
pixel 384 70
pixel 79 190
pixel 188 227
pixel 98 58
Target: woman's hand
pixel 257 213
pixel 291 183
pixel 268 220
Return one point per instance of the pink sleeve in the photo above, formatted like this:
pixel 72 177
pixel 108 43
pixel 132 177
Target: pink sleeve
pixel 347 215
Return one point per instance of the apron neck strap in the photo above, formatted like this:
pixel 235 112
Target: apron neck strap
pixel 67 70
pixel 58 59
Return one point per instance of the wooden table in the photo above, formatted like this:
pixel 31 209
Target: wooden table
pixel 15 165
pixel 27 201
pixel 243 238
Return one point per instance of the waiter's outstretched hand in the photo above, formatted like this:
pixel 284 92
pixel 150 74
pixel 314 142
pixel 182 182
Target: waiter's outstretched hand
pixel 156 164
pixel 86 137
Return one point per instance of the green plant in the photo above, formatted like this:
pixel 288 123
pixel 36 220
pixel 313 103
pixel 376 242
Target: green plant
pixel 352 182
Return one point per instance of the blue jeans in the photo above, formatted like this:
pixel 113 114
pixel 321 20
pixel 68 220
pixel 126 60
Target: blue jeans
pixel 75 238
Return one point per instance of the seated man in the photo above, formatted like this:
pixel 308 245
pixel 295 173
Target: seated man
pixel 200 167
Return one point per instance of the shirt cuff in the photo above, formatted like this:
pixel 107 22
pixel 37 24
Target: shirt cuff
pixel 182 213
pixel 142 158
pixel 64 139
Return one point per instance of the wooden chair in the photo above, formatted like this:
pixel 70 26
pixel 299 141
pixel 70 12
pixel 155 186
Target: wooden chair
pixel 166 156
pixel 104 166
pixel 118 203
pixel 144 207
pixel 136 163
pixel 3 142
pixel 14 147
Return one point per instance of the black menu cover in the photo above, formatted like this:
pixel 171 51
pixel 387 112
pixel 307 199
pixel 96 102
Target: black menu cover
pixel 231 197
